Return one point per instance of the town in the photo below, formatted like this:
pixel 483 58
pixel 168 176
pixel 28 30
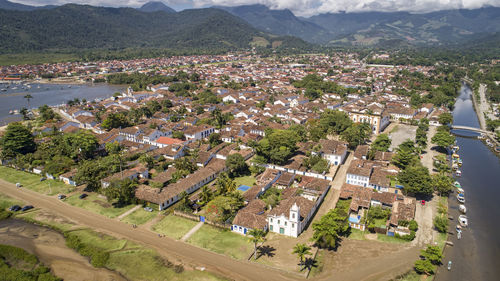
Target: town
pixel 295 152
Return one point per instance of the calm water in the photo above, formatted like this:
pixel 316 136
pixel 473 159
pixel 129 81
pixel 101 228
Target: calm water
pixel 50 94
pixel 477 255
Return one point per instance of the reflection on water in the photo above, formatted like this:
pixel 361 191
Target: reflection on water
pixel 12 96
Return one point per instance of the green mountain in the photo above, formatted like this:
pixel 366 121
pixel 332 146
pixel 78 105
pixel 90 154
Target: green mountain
pixel 156 6
pixel 73 27
pixel 447 27
pixel 281 22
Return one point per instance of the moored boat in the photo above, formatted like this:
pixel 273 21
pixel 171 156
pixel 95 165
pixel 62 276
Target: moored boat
pixel 462 219
pixel 461 198
pixel 457 184
pixel 462 208
pixel 458 173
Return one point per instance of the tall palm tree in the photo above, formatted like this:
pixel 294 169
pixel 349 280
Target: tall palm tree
pixel 28 97
pixel 257 236
pixel 301 250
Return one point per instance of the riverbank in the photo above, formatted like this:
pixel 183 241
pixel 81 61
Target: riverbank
pixel 476 255
pixel 49 246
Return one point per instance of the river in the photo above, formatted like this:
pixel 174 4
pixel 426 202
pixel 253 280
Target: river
pixel 477 255
pixel 12 95
pixel 50 248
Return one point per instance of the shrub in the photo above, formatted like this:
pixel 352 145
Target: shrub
pixel 441 223
pixel 178 268
pixel 413 225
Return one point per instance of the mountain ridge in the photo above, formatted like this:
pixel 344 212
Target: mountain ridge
pixel 156 6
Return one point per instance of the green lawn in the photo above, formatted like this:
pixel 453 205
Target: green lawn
pixel 247 180
pixel 357 234
pixel 97 205
pixel 140 216
pixel 174 226
pixel 222 241
pixel 6 202
pixel 318 268
pixel 32 181
pixel 390 239
pixel 103 241
pixel 147 265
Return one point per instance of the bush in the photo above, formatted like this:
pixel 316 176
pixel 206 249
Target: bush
pixel 441 223
pixel 424 267
pixel 408 237
pixel 413 226
pixel 98 257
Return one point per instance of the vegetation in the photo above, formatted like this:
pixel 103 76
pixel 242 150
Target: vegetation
pixel 17 140
pixel 441 223
pixel 182 226
pixel 237 166
pixel 278 146
pixel 330 227
pixel 17 264
pixel 430 257
pixel 443 139
pixel 256 236
pixel 301 250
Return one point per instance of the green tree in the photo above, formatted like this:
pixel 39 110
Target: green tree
pixel 222 208
pixel 224 184
pixel 17 140
pixel 123 191
pixel 82 144
pixel 214 139
pixel 257 236
pixel 443 184
pixel 330 227
pixel 443 139
pixel 206 194
pixel 356 134
pixel 113 147
pixel 301 250
pixel 115 120
pixel 184 203
pixel 445 118
pixel 441 164
pixel 416 180
pixel 236 164
pixel 147 160
pixel 278 146
pixel 381 143
pixel 432 254
pixel 424 267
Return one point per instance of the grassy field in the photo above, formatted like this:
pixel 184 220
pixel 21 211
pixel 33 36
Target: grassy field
pixel 100 240
pixel 6 202
pixel 390 239
pixel 140 216
pixel 357 234
pixel 32 181
pixel 247 180
pixel 46 219
pixel 151 266
pixel 320 259
pixel 174 226
pixel 97 205
pixel 222 242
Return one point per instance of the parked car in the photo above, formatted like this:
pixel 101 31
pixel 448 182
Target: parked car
pixel 149 209
pixel 61 196
pixel 83 196
pixel 18 184
pixel 26 208
pixel 423 202
pixel 42 179
pixel 15 208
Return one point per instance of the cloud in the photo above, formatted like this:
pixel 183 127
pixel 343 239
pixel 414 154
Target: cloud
pixel 299 7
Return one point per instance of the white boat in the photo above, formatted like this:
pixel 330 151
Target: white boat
pixel 460 190
pixel 458 173
pixel 462 208
pixel 462 219
pixel 461 198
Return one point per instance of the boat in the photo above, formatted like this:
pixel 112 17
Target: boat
pixel 462 219
pixel 458 173
pixel 455 148
pixel 11 112
pixel 460 190
pixel 459 162
pixel 458 228
pixel 461 198
pixel 457 184
pixel 455 156
pixel 462 208
pixel 454 166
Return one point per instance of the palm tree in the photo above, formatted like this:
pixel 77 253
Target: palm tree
pixel 28 97
pixel 206 194
pixel 301 250
pixel 257 237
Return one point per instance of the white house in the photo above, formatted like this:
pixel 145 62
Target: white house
pixel 333 151
pixel 198 132
pixel 291 216
pixel 359 173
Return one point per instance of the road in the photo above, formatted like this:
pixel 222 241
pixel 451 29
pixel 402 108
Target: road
pixel 167 247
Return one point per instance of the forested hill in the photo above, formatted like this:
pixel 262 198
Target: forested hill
pixel 73 27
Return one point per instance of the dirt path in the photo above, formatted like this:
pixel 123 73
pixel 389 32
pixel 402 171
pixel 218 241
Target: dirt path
pixel 429 154
pixel 169 248
pixel 192 231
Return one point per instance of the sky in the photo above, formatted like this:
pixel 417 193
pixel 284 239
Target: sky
pixel 298 7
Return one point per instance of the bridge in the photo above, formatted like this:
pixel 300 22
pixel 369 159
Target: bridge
pixel 478 130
